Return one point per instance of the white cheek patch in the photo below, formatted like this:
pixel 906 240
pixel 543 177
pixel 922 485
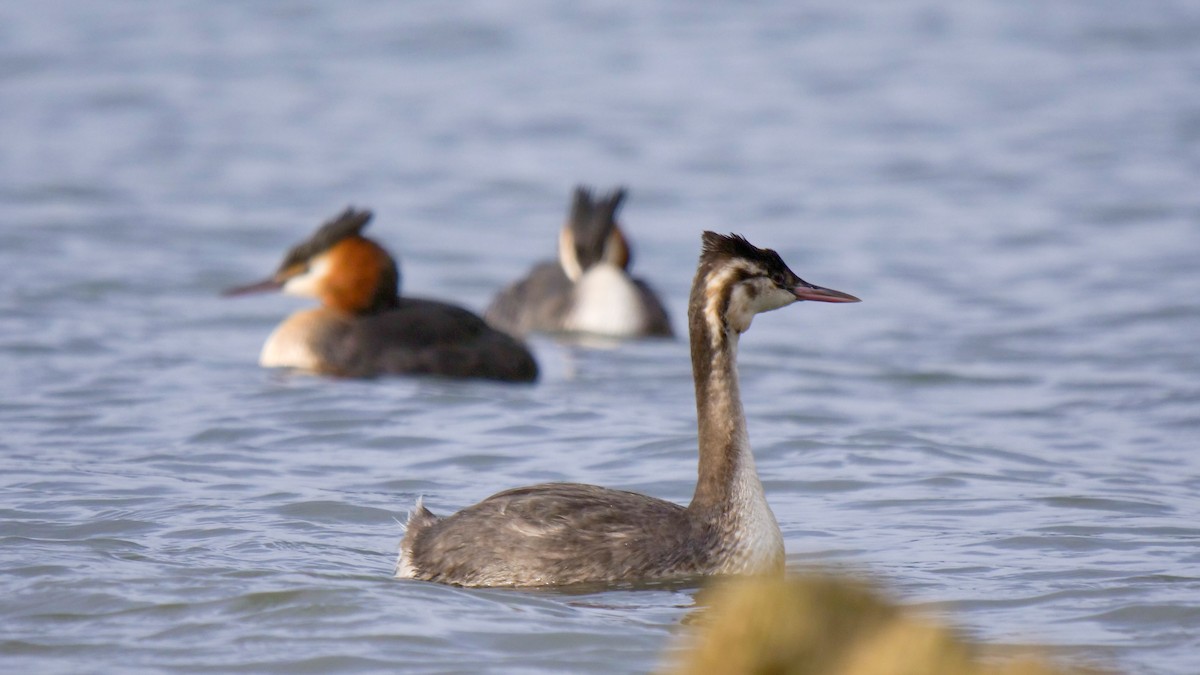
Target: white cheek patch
pixel 307 284
pixel 774 297
pixel 742 308
pixel 754 296
pixel 566 254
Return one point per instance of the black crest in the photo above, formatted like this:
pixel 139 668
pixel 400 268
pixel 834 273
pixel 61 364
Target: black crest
pixel 592 221
pixel 348 223
pixel 720 247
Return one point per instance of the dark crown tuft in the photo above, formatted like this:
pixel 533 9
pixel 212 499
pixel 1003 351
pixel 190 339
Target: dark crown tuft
pixel 591 221
pixel 718 246
pixel 348 223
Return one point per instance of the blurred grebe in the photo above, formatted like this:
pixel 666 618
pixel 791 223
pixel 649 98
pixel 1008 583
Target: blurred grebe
pixel 563 533
pixel 589 289
pixel 365 328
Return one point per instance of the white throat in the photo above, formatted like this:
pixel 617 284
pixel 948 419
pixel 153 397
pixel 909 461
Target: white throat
pixel 757 540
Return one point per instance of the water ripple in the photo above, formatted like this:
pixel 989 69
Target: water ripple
pixel 1003 431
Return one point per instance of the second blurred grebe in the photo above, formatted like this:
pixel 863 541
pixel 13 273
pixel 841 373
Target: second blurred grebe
pixel 366 328
pixel 564 533
pixel 589 289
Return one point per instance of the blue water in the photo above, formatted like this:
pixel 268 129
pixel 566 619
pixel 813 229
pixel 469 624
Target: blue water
pixel 1005 431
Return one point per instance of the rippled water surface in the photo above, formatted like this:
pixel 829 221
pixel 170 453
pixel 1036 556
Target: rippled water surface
pixel 1006 430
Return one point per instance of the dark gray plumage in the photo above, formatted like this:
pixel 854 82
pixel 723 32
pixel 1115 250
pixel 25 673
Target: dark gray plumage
pixel 580 533
pixel 422 337
pixel 566 533
pixel 349 223
pixel 552 296
pixel 365 328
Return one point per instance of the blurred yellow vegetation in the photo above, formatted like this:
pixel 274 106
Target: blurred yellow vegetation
pixel 827 625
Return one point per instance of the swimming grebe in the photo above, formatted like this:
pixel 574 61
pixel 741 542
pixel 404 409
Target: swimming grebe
pixel 563 533
pixel 365 328
pixel 588 290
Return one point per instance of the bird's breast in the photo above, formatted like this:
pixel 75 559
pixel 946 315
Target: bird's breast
pixel 296 342
pixel 606 302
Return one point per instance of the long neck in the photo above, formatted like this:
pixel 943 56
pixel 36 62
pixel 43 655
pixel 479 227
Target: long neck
pixel 727 474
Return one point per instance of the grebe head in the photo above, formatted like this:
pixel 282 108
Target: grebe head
pixel 737 280
pixel 591 235
pixel 339 266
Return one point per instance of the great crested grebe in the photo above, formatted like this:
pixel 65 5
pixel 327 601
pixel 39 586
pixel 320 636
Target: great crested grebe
pixel 588 290
pixel 564 533
pixel 364 328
